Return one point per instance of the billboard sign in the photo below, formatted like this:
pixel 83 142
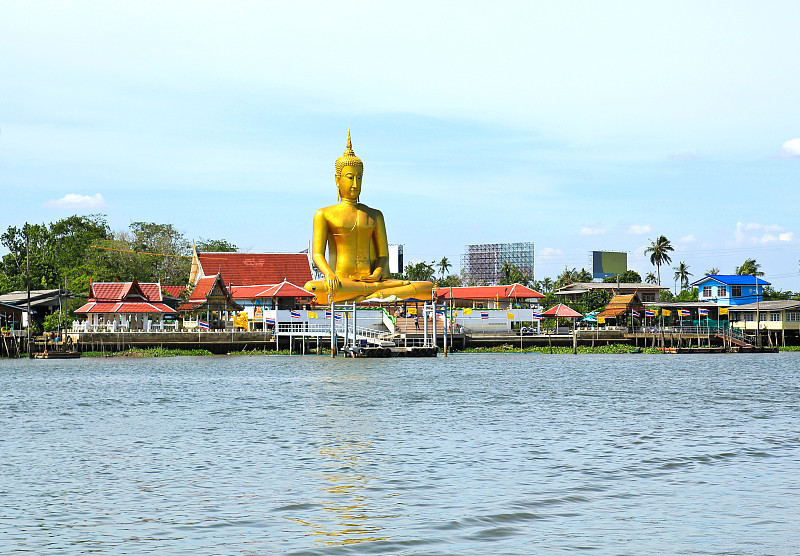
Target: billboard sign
pixel 608 263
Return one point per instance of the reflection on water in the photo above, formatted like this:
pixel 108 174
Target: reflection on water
pixel 511 454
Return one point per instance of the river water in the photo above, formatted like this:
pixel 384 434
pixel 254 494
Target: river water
pixel 472 454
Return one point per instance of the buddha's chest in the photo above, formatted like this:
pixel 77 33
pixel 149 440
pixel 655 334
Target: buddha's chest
pixel 356 222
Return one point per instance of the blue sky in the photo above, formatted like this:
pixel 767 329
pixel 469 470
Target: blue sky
pixel 578 126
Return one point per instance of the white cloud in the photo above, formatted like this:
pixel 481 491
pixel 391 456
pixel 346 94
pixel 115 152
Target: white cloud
pixel 638 230
pixel 548 252
pixel 75 201
pixel 592 232
pixel 791 148
pixel 754 233
pixel 687 239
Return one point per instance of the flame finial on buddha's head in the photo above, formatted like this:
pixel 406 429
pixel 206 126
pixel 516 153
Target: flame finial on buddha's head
pixel 349 158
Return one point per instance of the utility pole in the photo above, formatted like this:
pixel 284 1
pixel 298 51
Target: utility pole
pixel 28 282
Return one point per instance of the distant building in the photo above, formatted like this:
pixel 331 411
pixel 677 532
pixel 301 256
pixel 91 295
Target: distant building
pixel 779 319
pixel 396 259
pixel 648 293
pixel 483 263
pixel 730 289
pixel 248 269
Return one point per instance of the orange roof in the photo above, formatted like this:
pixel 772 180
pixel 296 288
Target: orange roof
pixel 202 288
pixel 285 289
pixel 246 269
pixel 621 304
pixel 511 291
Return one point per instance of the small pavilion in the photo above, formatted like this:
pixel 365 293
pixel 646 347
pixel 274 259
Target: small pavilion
pixel 212 297
pixel 488 297
pixel 125 306
pixel 622 305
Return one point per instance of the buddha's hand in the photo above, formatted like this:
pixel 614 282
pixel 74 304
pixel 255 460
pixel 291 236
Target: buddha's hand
pixel 332 282
pixel 375 276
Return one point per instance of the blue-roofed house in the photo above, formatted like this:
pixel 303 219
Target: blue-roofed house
pixel 730 289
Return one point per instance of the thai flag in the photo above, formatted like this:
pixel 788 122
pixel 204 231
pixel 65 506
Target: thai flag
pixel 704 312
pixel 295 314
pixel 684 312
pixel 269 321
pixel 337 316
pixel 649 313
pixel 537 316
pixel 634 312
pixel 484 315
pixel 203 325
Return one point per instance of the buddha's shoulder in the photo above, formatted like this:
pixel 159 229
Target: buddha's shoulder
pixel 369 210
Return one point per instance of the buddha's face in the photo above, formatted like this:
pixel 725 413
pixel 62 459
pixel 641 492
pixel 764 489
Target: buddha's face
pixel 349 183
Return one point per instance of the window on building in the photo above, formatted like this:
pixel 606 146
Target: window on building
pixel 775 316
pixel 792 316
pixel 707 291
pixel 736 291
pixel 721 291
pixel 748 317
pixel 734 316
pixel 649 298
pixel 762 317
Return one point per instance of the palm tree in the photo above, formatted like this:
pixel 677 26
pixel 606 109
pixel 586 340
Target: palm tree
pixel 547 284
pixel 659 253
pixel 713 271
pixel 682 273
pixel 444 265
pixel 650 278
pixel 749 268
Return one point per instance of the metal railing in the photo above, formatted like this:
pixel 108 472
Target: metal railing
pixel 324 330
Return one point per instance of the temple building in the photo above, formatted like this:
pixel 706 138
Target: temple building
pixel 125 306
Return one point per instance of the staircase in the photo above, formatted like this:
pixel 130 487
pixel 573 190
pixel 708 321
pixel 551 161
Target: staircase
pixel 733 336
pixel 406 326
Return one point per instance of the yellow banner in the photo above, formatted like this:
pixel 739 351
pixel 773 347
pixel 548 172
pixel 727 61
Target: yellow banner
pixel 723 311
pixel 241 320
pixel 467 311
pixel 510 316
pixel 666 312
pixel 313 315
pixel 601 320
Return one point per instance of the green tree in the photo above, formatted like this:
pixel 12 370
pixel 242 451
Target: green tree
pixel 593 300
pixel 444 265
pixel 627 277
pixel 216 246
pixel 452 281
pixel 749 268
pixel 421 271
pixel 687 295
pixel 547 284
pixel 650 278
pixel 659 253
pixel 682 273
pixel 713 271
pixel 511 274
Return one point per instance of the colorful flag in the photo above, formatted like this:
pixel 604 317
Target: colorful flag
pixel 313 315
pixel 203 325
pixel 537 316
pixel 328 315
pixel 684 312
pixel 510 316
pixel 294 314
pixel 704 312
pixel 723 311
pixel 601 320
pixel 648 313
pixel 468 311
pixel 666 312
pixel 634 313
pixel 484 315
pixel 268 320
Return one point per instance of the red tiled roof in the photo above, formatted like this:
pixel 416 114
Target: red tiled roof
pixel 174 291
pixel 248 292
pixel 118 291
pixel 202 288
pixel 130 307
pixel 285 289
pixel 512 291
pixel 246 269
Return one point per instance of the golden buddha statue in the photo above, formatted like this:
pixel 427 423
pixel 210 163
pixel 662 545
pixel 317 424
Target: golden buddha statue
pixel 357 266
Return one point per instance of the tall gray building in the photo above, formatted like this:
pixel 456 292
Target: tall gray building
pixel 484 263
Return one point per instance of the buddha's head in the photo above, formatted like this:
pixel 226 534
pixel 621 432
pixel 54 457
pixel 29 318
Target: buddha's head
pixel 349 170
